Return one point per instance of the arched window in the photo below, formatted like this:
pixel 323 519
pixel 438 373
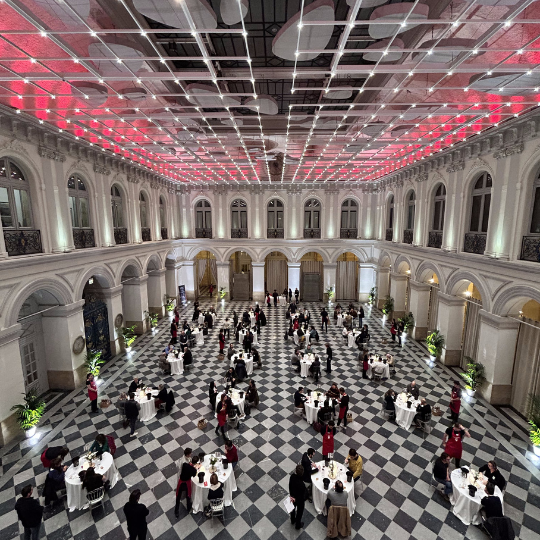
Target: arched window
pixel 79 210
pixel 390 219
pixel 530 245
pixel 312 219
pixel 16 212
pixel 162 218
pixel 143 212
pixel 349 219
pixel 239 219
pixel 475 238
pixel 275 228
pixel 411 209
pixel 439 208
pixel 203 219
pixel 120 232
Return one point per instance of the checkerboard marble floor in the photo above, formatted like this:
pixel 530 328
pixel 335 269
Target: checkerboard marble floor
pixel 397 501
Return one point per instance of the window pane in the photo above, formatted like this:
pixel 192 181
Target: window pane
pixel 208 220
pixel 5 211
pixel 199 220
pixel 271 204
pixel 162 217
pixel 315 220
pixel 235 219
pixel 344 220
pixel 2 168
pixel 436 215
pixel 71 182
pixel 271 224
pixel 143 216
pixel 280 220
pixel 489 181
pixel 16 173
pixel 352 219
pixel 279 203
pixel 307 219
pixel 535 221
pixel 243 216
pixel 22 204
pixel 442 214
pixel 391 218
pixel 475 213
pixel 410 217
pixel 73 211
pixel 84 217
pixel 80 185
pixel 485 217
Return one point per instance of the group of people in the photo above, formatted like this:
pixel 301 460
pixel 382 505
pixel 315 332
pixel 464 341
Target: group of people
pixel 350 315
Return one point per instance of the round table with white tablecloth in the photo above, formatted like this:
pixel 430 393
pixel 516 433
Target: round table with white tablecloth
pixel 297 339
pixel 305 364
pixel 177 364
pixel 76 495
pixel 340 318
pixel 320 494
pixel 465 507
pixel 242 333
pixel 148 406
pixel 201 318
pixel 282 300
pixel 236 399
pixel 252 318
pixel 248 360
pixel 311 410
pixel 385 368
pixel 404 415
pixel 198 335
pixel 199 491
pixel 351 338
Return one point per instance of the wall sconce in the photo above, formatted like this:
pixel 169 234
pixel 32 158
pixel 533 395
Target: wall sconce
pixel 468 293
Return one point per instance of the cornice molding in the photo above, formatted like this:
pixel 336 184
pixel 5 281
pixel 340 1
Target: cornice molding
pixel 49 153
pixel 509 150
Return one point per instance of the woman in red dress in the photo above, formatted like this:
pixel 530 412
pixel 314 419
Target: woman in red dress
pixel 328 439
pixel 92 392
pixel 452 441
pixel 455 402
pixel 221 342
pixel 174 333
pixel 296 324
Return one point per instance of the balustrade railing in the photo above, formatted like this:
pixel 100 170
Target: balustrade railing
pixel 22 242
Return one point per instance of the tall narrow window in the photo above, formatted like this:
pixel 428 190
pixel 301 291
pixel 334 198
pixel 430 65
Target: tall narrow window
pixel 312 216
pixel 349 219
pixel 411 209
pixel 16 212
pixel 390 219
pixel 239 228
pixel 143 210
pixel 162 218
pixel 439 208
pixel 120 232
pixel 275 227
pixel 530 245
pixel 475 238
pixel 203 219
pixel 79 210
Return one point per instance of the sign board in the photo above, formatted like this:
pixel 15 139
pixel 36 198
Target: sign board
pixel 182 293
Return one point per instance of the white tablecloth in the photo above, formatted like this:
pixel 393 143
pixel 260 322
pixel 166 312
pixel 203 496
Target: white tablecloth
pixel 305 364
pixel 201 318
pixel 243 333
pixel 465 507
pixel 352 337
pixel 148 406
pixel 198 335
pixel 249 362
pixel 76 495
pixel 320 494
pixel 236 399
pixel 404 415
pixel 199 492
pixel 282 300
pixel 297 339
pixel 340 318
pixel 311 410
pixel 385 367
pixel 252 318
pixel 177 364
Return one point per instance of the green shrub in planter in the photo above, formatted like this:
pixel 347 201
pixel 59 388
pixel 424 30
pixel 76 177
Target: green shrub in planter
pixel 435 343
pixel 92 362
pixel 388 305
pixel 533 416
pixel 372 296
pixel 408 321
pixel 128 335
pixel 30 412
pixel 474 376
pixel 152 319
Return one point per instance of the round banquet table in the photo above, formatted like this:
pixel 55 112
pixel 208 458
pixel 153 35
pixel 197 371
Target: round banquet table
pixel 76 495
pixel 404 415
pixel 320 494
pixel 282 300
pixel 201 318
pixel 305 364
pixel 148 406
pixel 177 364
pixel 465 507
pixel 249 362
pixel 311 410
pixel 340 318
pixel 198 335
pixel 243 333
pixel 252 318
pixel 199 492
pixel 236 400
pixel 352 336
pixel 385 367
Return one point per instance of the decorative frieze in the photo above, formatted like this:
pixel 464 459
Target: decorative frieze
pixel 455 167
pixel 509 150
pixel 133 179
pixel 100 169
pixel 422 177
pixel 51 154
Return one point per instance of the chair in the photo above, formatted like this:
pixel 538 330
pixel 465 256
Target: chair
pixel 377 373
pixel 233 421
pixel 297 410
pixel 500 527
pixel 338 522
pixel 95 497
pixel 217 508
pixel 434 482
pixel 393 367
pixel 387 412
pixel 425 426
pixel 191 342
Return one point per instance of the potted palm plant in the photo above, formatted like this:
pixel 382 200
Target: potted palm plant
pixel 408 323
pixel 474 376
pixel 128 335
pixel 169 305
pixel 388 306
pixel 93 362
pixel 30 412
pixel 435 344
pixel 372 296
pixel 152 319
pixel 534 421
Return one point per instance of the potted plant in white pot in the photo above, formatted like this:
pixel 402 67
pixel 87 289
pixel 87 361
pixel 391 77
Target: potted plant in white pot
pixel 388 307
pixel 534 421
pixel 93 362
pixel 408 323
pixel 152 319
pixel 30 412
pixel 169 305
pixel 435 344
pixel 372 296
pixel 474 376
pixel 128 335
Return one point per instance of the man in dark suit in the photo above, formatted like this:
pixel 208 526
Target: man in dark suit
pixel 297 492
pixel 136 516
pixel 328 358
pixel 30 513
pixel 188 357
pixel 309 468
pixel 275 295
pixel 413 389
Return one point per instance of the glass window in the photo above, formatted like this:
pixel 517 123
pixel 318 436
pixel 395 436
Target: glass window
pixel 275 214
pixel 203 215
pixel 439 208
pixel 480 204
pixel 312 212
pixel 79 204
pixel 143 210
pixel 391 212
pixel 116 205
pixel 349 214
pixel 239 214
pixel 535 220
pixel 411 209
pixel 15 210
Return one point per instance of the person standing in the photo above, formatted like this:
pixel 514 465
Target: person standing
pixel 221 342
pixel 328 358
pixel 324 317
pixel 297 492
pixel 393 329
pixel 30 513
pixel 211 289
pixel 455 402
pixel 174 333
pixel 132 413
pixel 343 407
pixel 400 329
pixel 328 439
pixel 365 364
pixel 361 316
pixel 221 420
pixel 231 453
pixel 275 296
pixel 136 513
pixel 453 441
pixel 296 294
pixel 92 392
pixel 290 295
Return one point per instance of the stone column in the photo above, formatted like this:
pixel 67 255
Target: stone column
pixel 135 303
pixel 113 298
pixel 383 289
pixel 11 382
pixel 398 291
pixel 66 370
pixel 258 281
pixel 329 278
pixel 450 324
pixel 366 280
pixel 223 270
pixel 156 292
pixel 497 340
pixel 187 278
pixel 293 277
pixel 171 279
pixel 419 307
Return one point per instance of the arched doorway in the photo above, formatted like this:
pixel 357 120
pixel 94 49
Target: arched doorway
pixel 206 272
pixel 276 272
pixel 311 277
pixel 240 276
pixel 35 364
pixel 347 276
pixel 96 317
